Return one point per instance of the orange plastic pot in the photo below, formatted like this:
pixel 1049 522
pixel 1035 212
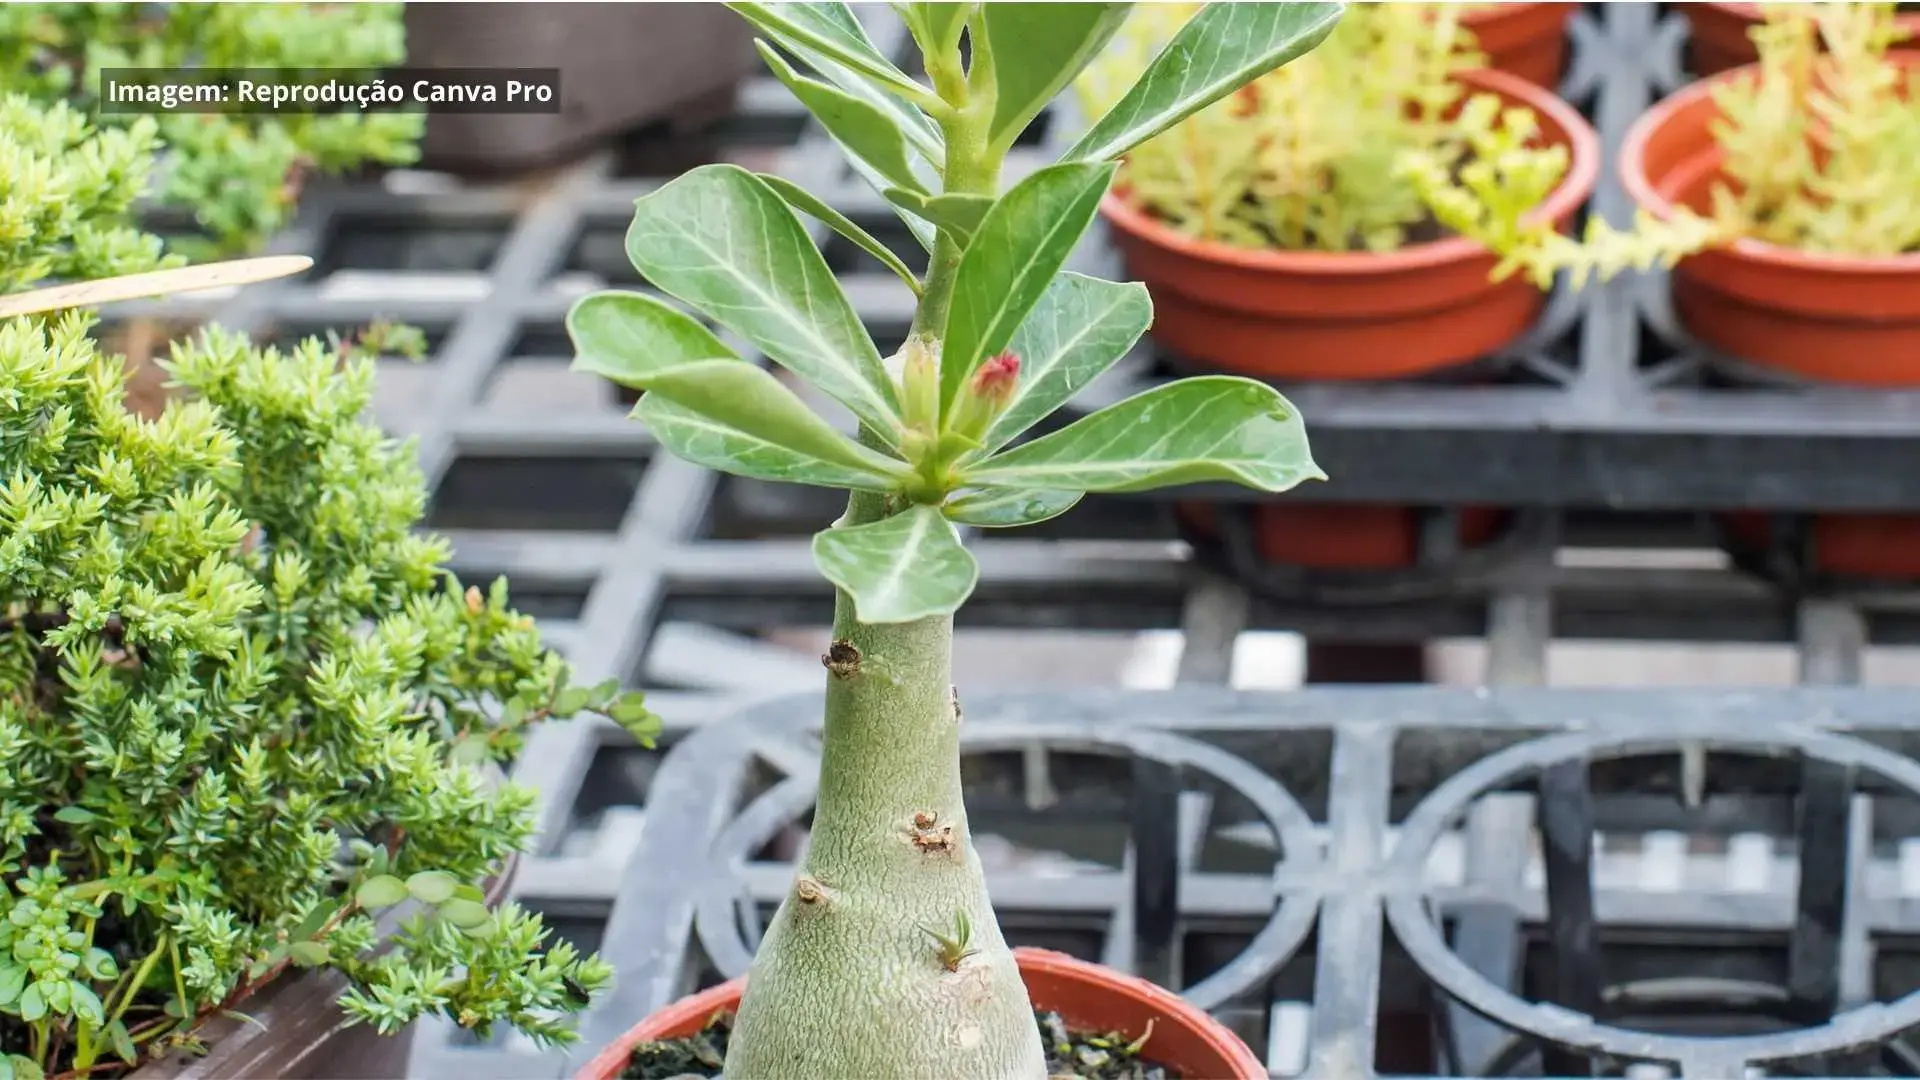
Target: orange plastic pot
pixel 1349 315
pixel 1832 318
pixel 1528 40
pixel 1087 996
pixel 1325 536
pixel 1717 35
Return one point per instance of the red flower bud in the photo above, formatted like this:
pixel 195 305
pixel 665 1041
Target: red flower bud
pixel 993 381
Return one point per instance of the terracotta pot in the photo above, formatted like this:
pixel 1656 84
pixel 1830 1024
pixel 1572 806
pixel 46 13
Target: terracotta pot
pixel 1089 997
pixel 1882 547
pixel 1717 35
pixel 1528 40
pixel 1328 536
pixel 1832 318
pixel 1349 315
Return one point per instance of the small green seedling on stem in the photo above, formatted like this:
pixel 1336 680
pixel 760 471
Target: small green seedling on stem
pixel 1002 336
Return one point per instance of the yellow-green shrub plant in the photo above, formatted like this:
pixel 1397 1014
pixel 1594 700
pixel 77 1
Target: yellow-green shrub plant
pixel 244 709
pixel 238 175
pixel 1347 149
pixel 885 960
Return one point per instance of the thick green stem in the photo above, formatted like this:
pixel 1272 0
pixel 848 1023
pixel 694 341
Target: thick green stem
pixel 850 979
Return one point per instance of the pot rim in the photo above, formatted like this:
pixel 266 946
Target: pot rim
pixel 613 1056
pixel 1583 171
pixel 1640 187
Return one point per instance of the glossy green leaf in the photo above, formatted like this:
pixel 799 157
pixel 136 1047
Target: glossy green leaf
pixel 1212 428
pixel 1006 508
pixel 722 241
pixel 918 128
pixel 1078 330
pixel 1219 50
pixel 832 31
pixel 936 26
pixel 906 567
pixel 73 815
pixel 1037 51
pixel 627 336
pixel 24 1067
pixel 717 445
pixel 921 231
pixel 432 886
pixel 308 954
pixel 100 964
pixel 756 407
pixel 1022 242
pixel 808 203
pixel 33 1002
pixel 862 128
pixel 959 214
pixel 382 891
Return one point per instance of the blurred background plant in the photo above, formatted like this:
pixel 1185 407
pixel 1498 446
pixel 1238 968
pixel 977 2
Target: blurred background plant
pixel 237 176
pixel 1315 155
pixel 68 193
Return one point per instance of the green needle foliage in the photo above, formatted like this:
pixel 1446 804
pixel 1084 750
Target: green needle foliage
pixel 67 195
pixel 244 712
pixel 1003 335
pixel 238 175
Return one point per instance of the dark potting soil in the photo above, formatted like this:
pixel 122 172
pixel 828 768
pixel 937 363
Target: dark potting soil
pixel 1070 1054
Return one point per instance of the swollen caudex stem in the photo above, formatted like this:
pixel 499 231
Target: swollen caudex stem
pixel 886 961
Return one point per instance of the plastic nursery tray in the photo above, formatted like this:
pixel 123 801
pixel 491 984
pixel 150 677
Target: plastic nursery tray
pixel 659 572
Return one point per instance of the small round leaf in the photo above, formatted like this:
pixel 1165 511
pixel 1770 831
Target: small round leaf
pixel 464 914
pixel 381 892
pixel 33 1003
pixel 309 953
pixel 432 886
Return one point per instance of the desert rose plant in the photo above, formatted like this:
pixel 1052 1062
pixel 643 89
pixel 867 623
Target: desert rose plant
pixel 885 960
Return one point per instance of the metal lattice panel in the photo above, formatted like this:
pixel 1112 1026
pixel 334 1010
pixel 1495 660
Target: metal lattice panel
pixel 656 571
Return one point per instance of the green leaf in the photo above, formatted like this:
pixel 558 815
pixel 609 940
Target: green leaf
pixel 1004 508
pixel 863 129
pixel 74 815
pixel 633 716
pixel 122 1042
pixel 1037 50
pixel 464 914
pixel 627 336
pixel 432 886
pixel 832 31
pixel 471 892
pixel 308 954
pixel 936 26
pixel 24 1068
pixel 959 214
pixel 83 1003
pixel 899 569
pixel 33 1003
pixel 723 241
pixel 574 698
pixel 1218 51
pixel 1021 244
pixel 481 931
pixel 1213 428
pixel 317 917
pixel 919 129
pixel 99 964
pixel 12 981
pixel 1078 330
pixel 382 891
pixel 807 203
pixel 754 426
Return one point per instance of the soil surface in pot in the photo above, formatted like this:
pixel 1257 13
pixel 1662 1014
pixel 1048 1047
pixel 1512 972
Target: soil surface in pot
pixel 1073 1054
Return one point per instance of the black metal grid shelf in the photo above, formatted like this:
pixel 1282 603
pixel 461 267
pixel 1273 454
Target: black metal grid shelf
pixel 647 568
